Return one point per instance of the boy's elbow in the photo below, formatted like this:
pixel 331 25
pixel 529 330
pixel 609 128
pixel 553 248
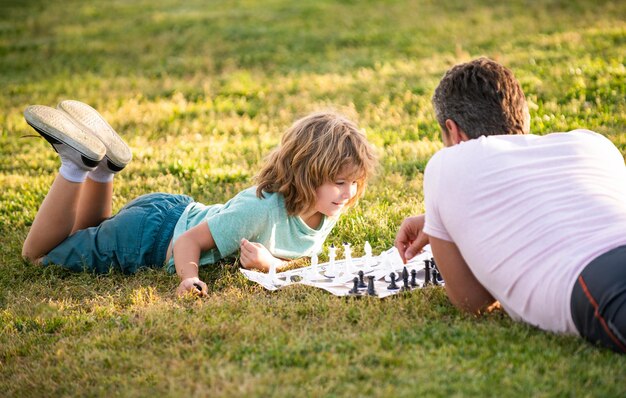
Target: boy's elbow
pixel 31 256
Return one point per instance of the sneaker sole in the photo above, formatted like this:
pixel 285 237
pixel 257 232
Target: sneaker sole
pixel 56 127
pixel 118 154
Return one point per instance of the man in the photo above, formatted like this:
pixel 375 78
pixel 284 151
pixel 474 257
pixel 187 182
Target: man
pixel 536 223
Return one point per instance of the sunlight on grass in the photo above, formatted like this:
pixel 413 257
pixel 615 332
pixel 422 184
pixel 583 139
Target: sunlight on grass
pixel 202 92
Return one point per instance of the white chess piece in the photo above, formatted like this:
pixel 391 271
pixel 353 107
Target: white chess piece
pixel 272 272
pixel 331 270
pixel 347 254
pixel 272 247
pixel 388 265
pixel 314 269
pixel 368 254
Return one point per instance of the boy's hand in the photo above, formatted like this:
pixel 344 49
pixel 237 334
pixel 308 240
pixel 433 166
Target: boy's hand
pixel 255 255
pixel 192 286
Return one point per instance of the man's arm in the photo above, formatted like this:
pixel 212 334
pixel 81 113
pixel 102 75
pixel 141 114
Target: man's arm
pixel 462 287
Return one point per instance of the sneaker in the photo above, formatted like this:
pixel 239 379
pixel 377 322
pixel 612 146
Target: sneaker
pixel 118 154
pixel 66 137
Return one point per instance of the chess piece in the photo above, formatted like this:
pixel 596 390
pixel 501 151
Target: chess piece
pixel 392 285
pixel 331 271
pixel 405 280
pixel 435 277
pixel 387 262
pixel 426 272
pixel 414 278
pixel 347 255
pixel 370 286
pixel 368 254
pixel 355 287
pixel 433 264
pixel 272 272
pixel 361 281
pixel 314 269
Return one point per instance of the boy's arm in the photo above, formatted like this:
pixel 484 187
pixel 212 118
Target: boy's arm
pixel 187 251
pixel 462 287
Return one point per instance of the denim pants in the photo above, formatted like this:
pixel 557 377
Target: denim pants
pixel 137 236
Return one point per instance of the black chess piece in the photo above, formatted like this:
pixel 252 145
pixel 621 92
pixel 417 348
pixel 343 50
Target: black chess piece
pixel 433 264
pixel 405 280
pixel 435 277
pixel 198 287
pixel 362 284
pixel 370 286
pixel 355 288
pixel 392 285
pixel 413 278
pixel 426 272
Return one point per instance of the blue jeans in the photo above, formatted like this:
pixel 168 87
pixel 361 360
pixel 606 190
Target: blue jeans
pixel 599 300
pixel 137 236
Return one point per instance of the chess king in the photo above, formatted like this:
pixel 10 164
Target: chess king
pixel 534 222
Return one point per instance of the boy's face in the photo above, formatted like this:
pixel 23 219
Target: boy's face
pixel 333 196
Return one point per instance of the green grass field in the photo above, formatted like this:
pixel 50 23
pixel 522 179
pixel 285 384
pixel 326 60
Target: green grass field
pixel 202 91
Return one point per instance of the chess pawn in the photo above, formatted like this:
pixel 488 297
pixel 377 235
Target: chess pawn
pixel 414 278
pixel 272 273
pixel 361 283
pixel 315 263
pixel 347 254
pixel 368 254
pixel 392 284
pixel 355 287
pixel 331 271
pixel 371 290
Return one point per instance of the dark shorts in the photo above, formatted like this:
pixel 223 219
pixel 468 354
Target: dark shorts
pixel 599 300
pixel 137 236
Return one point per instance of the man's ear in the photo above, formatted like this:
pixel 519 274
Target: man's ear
pixel 455 133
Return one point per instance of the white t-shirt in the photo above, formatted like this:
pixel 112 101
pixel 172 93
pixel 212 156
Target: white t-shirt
pixel 528 213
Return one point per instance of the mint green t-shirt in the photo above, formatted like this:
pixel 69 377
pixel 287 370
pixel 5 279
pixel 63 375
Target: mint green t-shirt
pixel 259 220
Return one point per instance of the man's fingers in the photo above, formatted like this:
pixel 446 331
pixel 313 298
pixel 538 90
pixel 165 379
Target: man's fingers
pixel 416 246
pixel 401 247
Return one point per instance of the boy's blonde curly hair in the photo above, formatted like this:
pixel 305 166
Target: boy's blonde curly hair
pixel 313 151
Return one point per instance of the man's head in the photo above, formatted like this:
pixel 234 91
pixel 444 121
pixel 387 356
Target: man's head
pixel 481 97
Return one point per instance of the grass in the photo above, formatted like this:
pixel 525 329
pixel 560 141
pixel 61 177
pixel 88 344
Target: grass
pixel 202 91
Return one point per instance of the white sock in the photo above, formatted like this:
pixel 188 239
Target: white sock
pixel 101 173
pixel 72 172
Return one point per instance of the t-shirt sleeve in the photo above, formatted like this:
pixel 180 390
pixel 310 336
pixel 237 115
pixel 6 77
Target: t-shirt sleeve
pixel 242 217
pixel 432 187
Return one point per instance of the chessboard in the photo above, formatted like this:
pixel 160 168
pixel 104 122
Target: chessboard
pixel 377 276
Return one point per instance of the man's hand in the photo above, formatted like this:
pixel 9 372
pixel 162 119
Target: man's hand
pixel 255 255
pixel 192 286
pixel 410 239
